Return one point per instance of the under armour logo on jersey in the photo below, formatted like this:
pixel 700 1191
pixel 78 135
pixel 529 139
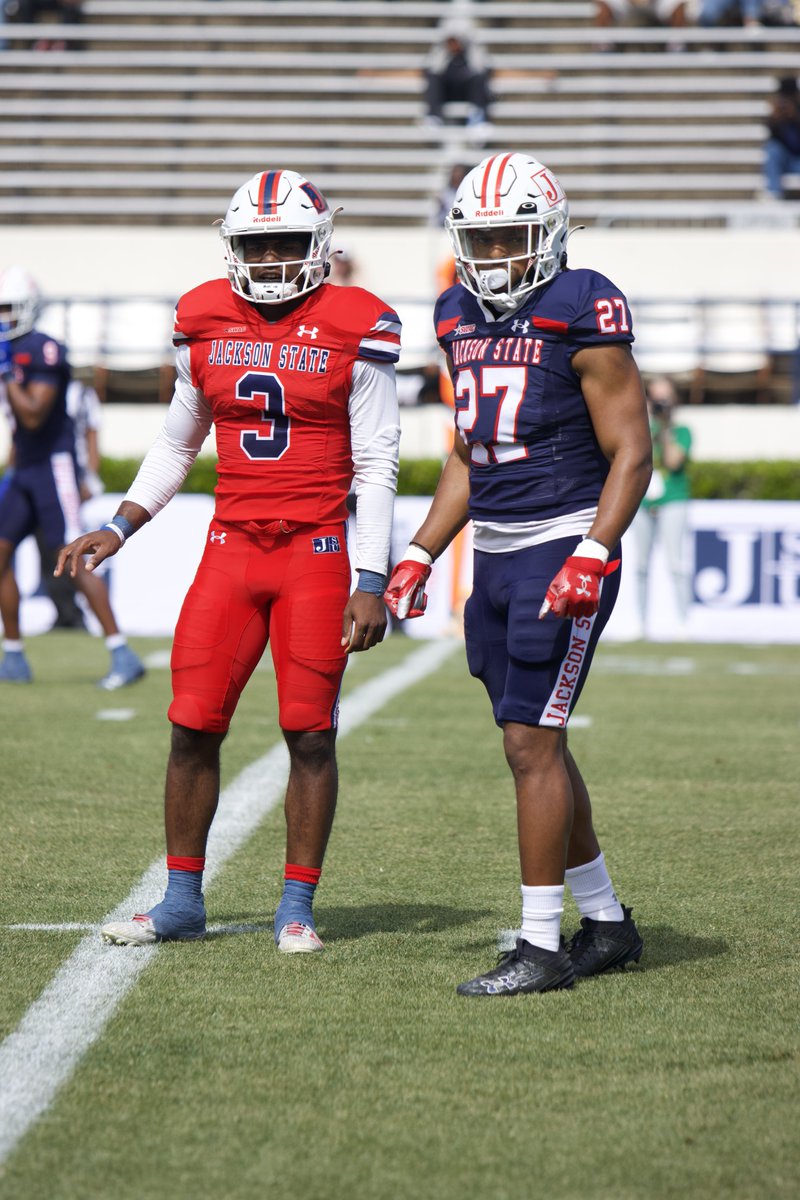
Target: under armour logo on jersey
pixel 520 326
pixel 218 537
pixel 326 545
pixel 312 333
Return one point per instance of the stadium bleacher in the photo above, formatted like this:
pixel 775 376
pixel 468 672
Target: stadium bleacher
pixel 155 110
pixel 637 133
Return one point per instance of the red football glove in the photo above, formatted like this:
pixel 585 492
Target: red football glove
pixel 405 594
pixel 575 591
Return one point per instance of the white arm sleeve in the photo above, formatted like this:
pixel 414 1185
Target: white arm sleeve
pixel 170 458
pixel 375 442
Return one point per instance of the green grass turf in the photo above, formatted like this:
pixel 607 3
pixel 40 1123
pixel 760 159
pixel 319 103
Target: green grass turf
pixel 358 1074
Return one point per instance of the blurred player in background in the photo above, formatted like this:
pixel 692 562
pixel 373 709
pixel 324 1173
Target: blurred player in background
pixel 84 409
pixel 298 378
pixel 552 460
pixel 664 513
pixel 43 492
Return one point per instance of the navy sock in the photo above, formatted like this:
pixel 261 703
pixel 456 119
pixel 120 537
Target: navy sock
pixel 184 889
pixel 295 904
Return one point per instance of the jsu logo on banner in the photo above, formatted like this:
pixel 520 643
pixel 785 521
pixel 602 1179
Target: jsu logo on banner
pixel 740 566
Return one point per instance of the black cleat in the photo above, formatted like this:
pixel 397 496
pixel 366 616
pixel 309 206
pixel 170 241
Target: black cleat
pixel 604 945
pixel 525 969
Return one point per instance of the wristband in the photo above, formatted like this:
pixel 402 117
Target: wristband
pixel 122 527
pixel 371 581
pixel 589 548
pixel 417 553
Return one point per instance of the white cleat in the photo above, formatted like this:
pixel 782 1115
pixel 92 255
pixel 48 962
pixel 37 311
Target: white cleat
pixel 139 932
pixel 296 938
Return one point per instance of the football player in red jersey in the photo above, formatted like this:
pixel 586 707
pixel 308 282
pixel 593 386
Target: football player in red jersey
pixel 298 379
pixel 552 460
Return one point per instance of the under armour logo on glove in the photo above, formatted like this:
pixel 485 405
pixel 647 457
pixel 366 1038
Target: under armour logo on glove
pixel 575 591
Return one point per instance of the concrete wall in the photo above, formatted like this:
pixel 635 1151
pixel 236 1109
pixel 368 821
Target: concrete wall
pixel 753 263
pixel 757 263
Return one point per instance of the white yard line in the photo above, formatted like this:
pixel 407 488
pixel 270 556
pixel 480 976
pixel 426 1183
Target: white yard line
pixel 40 1055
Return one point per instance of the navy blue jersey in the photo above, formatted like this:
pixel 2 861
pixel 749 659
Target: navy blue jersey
pixel 533 451
pixel 43 358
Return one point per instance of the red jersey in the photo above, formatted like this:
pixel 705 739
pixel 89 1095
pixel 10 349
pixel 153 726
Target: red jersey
pixel 278 392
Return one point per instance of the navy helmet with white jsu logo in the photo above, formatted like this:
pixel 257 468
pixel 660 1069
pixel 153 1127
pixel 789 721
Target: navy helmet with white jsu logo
pixel 278 202
pixel 517 192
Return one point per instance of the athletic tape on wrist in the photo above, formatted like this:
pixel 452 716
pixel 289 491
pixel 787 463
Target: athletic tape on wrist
pixel 589 548
pixel 122 527
pixel 417 553
pixel 371 581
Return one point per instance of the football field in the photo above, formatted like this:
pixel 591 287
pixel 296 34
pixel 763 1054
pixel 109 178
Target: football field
pixel 220 1070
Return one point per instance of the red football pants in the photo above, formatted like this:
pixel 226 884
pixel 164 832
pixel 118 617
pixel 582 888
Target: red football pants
pixel 289 590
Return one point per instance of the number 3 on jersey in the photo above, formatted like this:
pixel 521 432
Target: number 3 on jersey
pixel 272 440
pixel 490 400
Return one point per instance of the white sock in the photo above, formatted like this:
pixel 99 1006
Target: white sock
pixel 10 646
pixel 593 891
pixel 115 640
pixel 541 915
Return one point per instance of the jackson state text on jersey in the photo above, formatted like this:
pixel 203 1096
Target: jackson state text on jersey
pixel 278 392
pixel 519 406
pixel 43 359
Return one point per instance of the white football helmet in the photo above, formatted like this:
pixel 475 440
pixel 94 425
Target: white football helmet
pixel 19 293
pixel 518 192
pixel 278 202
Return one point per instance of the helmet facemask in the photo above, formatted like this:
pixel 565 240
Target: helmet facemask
pixel 282 279
pixel 540 250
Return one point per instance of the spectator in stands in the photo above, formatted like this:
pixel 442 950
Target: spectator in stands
pixel 344 268
pixel 62 12
pixel 641 12
pixel 445 198
pixel 752 14
pixel 782 147
pixel 458 70
pixel 664 511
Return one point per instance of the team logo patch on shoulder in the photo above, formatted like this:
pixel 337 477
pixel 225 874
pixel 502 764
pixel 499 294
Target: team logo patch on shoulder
pixel 326 545
pixel 463 330
pixel 236 329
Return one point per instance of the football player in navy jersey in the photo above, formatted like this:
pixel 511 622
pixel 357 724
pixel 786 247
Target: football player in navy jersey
pixel 43 492
pixel 552 460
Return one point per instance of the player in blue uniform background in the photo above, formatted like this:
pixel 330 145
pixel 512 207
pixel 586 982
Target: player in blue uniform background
pixel 552 460
pixel 43 490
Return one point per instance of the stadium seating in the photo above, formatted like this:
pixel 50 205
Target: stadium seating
pixel 156 109
pixel 175 98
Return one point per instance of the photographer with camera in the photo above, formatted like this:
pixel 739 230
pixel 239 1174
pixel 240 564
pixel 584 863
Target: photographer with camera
pixel 664 512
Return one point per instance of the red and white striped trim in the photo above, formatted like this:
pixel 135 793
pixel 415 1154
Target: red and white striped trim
pixel 492 182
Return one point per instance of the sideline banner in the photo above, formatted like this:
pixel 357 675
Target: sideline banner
pixel 743 556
